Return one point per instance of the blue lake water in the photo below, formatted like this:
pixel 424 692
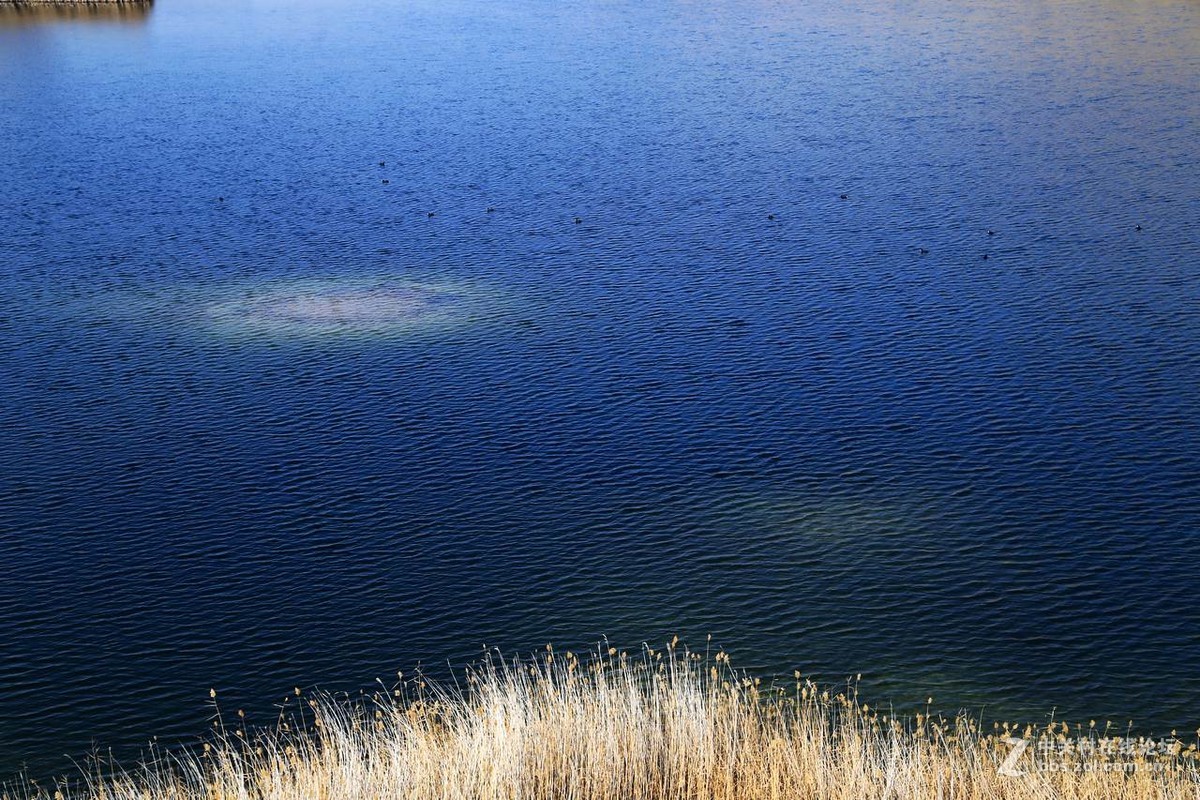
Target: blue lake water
pixel 273 414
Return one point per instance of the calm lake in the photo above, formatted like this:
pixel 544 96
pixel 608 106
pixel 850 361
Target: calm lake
pixel 862 336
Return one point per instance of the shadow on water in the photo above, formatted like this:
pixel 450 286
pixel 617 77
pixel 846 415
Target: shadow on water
pixel 127 11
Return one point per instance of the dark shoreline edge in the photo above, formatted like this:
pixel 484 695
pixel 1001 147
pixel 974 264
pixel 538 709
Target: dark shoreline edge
pixel 19 12
pixel 71 3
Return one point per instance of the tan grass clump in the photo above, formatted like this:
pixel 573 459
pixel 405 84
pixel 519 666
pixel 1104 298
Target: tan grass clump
pixel 658 725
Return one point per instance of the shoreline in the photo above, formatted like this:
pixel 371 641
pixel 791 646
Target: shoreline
pixel 665 724
pixel 18 12
pixel 72 3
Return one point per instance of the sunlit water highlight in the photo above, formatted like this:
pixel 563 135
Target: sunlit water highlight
pixel 342 308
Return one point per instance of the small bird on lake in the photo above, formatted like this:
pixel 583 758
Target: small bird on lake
pixel 844 197
pixel 383 163
pixel 385 180
pixel 489 209
pixel 222 200
pixel 986 256
pixel 770 216
pixel 1138 228
pixel 578 220
pixel 991 232
pixel 923 251
pixel 429 215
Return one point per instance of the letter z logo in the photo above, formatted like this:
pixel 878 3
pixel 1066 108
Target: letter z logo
pixel 1009 767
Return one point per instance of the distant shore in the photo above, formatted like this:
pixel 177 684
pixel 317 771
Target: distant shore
pixel 19 12
pixel 19 3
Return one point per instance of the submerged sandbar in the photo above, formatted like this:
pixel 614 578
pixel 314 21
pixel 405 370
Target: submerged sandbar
pixel 343 307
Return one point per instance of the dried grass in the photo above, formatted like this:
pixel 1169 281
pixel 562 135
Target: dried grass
pixel 655 725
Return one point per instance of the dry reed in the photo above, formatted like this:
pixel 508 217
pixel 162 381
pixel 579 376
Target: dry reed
pixel 657 724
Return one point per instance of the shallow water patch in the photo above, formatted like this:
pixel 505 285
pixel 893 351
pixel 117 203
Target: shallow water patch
pixel 343 308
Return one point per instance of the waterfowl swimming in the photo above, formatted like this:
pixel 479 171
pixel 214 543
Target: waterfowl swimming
pixel 383 163
pixel 991 232
pixel 578 220
pixel 385 180
pixel 490 209
pixel 770 216
pixel 844 196
pixel 986 256
pixel 222 200
pixel 1138 228
pixel 923 251
pixel 430 215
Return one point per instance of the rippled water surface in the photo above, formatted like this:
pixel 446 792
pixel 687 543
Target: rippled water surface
pixel 284 403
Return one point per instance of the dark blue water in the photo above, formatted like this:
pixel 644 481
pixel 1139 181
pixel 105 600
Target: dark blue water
pixel 308 434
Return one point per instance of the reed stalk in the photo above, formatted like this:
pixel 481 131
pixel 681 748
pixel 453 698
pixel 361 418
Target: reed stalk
pixel 660 725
